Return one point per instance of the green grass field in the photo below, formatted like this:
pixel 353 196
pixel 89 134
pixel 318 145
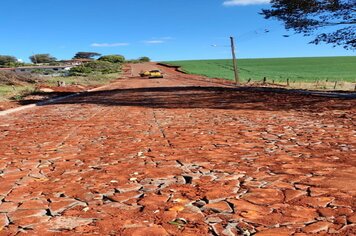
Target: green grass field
pixel 277 69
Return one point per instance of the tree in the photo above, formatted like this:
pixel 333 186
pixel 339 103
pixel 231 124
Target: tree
pixel 86 55
pixel 332 21
pixel 113 58
pixel 6 60
pixel 144 59
pixel 42 58
pixel 103 67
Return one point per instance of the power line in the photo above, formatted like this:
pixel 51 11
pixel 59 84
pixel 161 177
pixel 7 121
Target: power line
pixel 249 35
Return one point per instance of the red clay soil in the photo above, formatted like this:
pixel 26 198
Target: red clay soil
pixel 180 156
pixel 5 105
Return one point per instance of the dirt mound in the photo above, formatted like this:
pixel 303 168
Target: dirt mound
pixel 12 78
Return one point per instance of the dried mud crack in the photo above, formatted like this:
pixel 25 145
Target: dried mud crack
pixel 180 156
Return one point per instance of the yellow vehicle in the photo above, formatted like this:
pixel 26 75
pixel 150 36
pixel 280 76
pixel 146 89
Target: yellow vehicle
pixel 152 74
pixel 144 73
pixel 155 74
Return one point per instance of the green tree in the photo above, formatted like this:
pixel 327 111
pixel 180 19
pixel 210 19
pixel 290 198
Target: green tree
pixel 80 70
pixel 113 58
pixel 103 67
pixel 42 58
pixel 86 55
pixel 332 21
pixel 144 59
pixel 6 60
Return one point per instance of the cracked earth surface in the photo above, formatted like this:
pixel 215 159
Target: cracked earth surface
pixel 179 156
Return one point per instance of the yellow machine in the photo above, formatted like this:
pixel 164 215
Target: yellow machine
pixel 144 73
pixel 155 74
pixel 152 74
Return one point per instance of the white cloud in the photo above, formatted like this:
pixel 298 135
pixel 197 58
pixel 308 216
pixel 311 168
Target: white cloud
pixel 158 40
pixel 154 41
pixel 109 44
pixel 244 2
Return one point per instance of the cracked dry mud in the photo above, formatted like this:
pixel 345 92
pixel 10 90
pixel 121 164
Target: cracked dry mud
pixel 179 156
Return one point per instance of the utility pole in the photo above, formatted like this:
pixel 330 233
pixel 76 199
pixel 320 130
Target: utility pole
pixel 234 60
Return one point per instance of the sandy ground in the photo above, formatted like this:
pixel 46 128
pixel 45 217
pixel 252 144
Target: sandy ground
pixel 181 155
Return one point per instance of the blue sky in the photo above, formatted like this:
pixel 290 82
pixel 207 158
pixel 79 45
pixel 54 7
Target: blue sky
pixel 160 29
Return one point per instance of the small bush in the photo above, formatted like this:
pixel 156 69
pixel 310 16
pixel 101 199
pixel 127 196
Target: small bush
pixel 12 78
pixel 5 60
pixel 134 61
pixel 23 93
pixel 113 58
pixel 80 70
pixel 103 67
pixel 14 64
pixel 144 59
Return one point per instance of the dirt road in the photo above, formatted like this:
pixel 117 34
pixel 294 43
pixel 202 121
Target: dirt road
pixel 180 156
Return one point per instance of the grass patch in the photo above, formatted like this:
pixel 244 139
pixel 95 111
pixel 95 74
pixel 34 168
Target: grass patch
pixel 18 92
pixel 277 69
pixel 15 92
pixel 90 80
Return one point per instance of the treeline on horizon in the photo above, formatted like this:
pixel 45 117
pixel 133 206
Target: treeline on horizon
pixel 46 58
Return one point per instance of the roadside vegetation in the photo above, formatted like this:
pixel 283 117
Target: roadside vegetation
pixel 14 86
pixel 139 60
pixel 93 70
pixel 15 93
pixel 278 70
pixel 93 79
pixel 95 67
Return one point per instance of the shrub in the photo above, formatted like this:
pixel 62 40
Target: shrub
pixel 134 61
pixel 113 58
pixel 5 60
pixel 103 67
pixel 12 78
pixel 14 64
pixel 80 70
pixel 144 59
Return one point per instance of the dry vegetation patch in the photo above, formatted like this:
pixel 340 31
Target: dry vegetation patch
pixel 12 78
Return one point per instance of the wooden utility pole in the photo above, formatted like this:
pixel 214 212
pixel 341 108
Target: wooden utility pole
pixel 234 60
